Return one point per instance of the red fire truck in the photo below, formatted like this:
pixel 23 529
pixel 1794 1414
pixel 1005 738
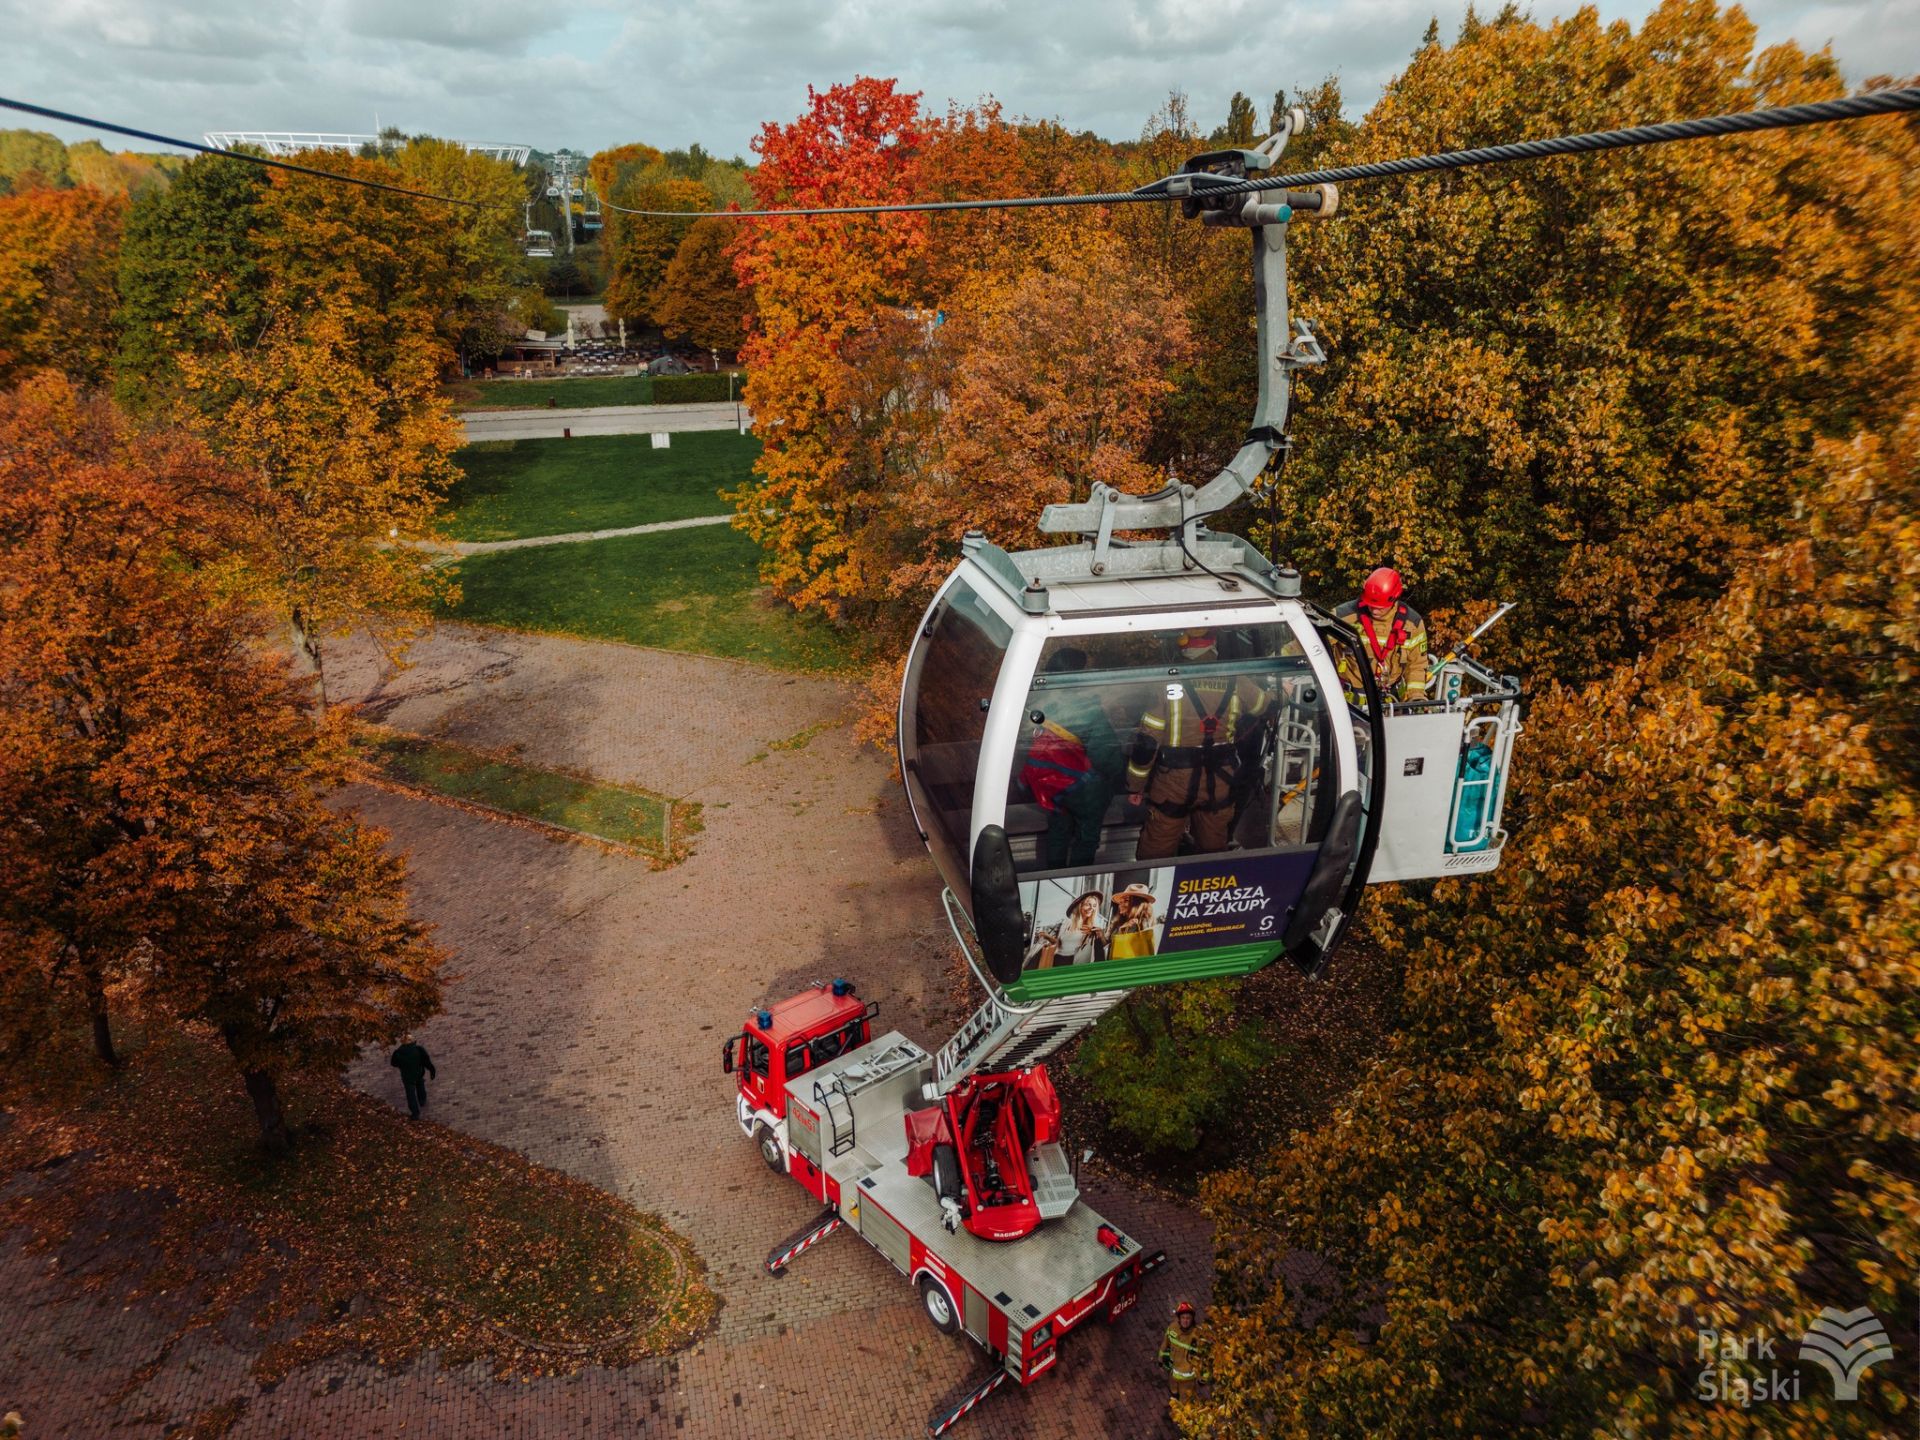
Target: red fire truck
pixel 938 1162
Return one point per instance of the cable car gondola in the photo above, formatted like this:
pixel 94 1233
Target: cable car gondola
pixel 1048 689
pixel 538 244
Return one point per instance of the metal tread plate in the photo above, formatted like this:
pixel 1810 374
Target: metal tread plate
pixel 1054 1188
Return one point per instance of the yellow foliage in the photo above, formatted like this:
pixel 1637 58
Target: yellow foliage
pixel 1587 384
pixel 1656 1075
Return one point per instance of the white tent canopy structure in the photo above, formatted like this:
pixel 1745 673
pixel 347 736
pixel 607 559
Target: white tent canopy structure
pixel 292 142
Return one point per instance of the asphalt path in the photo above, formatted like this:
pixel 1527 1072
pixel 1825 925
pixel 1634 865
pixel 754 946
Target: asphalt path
pixel 548 424
pixel 572 537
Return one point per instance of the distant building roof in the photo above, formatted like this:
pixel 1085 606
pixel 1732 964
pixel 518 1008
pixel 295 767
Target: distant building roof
pixel 292 142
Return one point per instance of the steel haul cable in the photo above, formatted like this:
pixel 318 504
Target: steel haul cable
pixel 86 120
pixel 1824 112
pixel 1904 99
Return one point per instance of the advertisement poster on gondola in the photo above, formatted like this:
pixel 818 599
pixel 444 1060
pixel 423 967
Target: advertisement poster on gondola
pixel 1234 900
pixel 1193 905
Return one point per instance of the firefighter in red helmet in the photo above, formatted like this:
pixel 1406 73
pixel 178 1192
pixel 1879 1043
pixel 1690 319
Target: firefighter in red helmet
pixel 1392 633
pixel 1180 1352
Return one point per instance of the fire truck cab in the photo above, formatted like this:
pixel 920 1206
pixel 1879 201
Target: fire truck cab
pixel 778 1045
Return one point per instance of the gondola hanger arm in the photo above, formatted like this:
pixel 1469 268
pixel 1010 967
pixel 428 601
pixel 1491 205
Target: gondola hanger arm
pixel 1206 189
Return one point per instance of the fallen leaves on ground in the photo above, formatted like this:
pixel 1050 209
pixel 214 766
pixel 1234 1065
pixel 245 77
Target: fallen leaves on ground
pixel 377 1236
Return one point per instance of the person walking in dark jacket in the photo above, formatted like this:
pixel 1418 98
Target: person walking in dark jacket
pixel 414 1065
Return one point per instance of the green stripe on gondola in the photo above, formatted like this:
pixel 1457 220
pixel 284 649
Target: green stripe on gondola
pixel 1147 970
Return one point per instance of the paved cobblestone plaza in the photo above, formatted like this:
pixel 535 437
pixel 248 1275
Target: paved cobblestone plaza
pixel 583 1027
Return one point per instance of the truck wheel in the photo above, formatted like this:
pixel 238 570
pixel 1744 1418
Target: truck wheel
pixel 770 1150
pixel 939 1305
pixel 946 1172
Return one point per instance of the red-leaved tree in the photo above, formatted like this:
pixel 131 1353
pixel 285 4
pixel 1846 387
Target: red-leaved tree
pixel 817 281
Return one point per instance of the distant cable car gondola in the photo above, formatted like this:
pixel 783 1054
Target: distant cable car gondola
pixel 1046 690
pixel 538 244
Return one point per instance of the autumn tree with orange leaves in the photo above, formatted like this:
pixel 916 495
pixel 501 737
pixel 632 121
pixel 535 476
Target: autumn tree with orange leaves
pixel 1062 367
pixel 163 816
pixel 817 283
pixel 1653 1078
pixel 643 246
pixel 1589 384
pixel 916 376
pixel 314 370
pixel 58 254
pixel 700 298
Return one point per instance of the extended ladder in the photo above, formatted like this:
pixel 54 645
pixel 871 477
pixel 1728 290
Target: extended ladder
pixel 1001 1035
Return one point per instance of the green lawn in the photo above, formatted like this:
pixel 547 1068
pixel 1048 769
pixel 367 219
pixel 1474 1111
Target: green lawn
pixel 696 590
pixel 515 488
pixel 572 394
pixel 623 814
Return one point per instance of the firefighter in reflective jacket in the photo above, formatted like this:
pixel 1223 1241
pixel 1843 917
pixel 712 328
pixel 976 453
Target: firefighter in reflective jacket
pixel 1186 754
pixel 1392 633
pixel 1180 1352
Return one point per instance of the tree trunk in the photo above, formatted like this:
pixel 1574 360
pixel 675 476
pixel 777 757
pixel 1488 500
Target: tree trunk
pixel 96 993
pixel 306 651
pixel 266 1109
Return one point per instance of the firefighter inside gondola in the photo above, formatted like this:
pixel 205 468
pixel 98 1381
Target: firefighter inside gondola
pixel 1074 800
pixel 1073 767
pixel 1189 751
pixel 1393 634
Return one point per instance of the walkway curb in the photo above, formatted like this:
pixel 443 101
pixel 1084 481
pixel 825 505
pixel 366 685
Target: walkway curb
pixel 573 537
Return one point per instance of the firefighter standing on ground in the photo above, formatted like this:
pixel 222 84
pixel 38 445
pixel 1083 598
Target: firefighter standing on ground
pixel 1180 1352
pixel 1185 755
pixel 1392 633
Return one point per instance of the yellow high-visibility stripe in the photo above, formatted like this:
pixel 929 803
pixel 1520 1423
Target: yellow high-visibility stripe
pixel 1176 1339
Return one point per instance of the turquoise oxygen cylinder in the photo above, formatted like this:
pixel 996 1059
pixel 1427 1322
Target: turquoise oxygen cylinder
pixel 1476 782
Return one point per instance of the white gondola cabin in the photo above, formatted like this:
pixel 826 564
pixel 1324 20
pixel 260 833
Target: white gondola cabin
pixel 1092 845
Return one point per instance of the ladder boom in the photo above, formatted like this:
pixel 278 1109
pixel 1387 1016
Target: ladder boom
pixel 1001 1035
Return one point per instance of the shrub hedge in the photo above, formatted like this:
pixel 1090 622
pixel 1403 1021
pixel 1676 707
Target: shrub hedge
pixel 681 389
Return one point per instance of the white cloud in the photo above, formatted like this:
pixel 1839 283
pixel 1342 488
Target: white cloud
pixel 482 25
pixel 599 72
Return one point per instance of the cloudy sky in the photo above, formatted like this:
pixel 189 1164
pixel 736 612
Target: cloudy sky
pixel 594 73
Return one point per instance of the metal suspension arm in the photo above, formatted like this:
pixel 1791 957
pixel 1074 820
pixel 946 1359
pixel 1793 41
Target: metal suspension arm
pixel 1282 348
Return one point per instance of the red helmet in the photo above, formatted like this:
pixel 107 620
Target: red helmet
pixel 1185 1307
pixel 1383 587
